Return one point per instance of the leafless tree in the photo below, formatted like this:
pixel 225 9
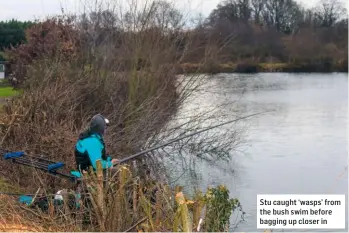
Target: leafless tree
pixel 281 14
pixel 329 12
pixel 257 9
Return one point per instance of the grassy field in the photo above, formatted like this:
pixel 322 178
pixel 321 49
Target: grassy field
pixel 6 89
pixel 7 92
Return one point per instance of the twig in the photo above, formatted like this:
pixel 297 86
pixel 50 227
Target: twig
pixel 36 214
pixel 9 128
pixel 139 222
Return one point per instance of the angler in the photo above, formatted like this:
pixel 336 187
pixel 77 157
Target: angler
pixel 90 146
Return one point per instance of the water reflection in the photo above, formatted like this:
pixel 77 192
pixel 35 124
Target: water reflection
pixel 299 148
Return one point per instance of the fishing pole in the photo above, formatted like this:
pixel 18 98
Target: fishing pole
pixel 51 167
pixel 183 137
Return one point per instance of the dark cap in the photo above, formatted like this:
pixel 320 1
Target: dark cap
pixel 98 124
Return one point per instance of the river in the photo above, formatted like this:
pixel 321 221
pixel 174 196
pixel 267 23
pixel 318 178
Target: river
pixel 298 148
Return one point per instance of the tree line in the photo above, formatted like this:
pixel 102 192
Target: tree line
pixel 12 33
pixel 279 31
pixel 236 31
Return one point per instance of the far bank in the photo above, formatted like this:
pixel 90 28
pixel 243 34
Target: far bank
pixel 186 68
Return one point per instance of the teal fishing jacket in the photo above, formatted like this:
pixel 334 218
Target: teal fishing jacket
pixel 88 150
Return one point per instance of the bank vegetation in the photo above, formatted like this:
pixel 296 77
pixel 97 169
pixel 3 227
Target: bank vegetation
pixel 123 66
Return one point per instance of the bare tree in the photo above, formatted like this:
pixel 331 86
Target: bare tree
pixel 244 8
pixel 257 9
pixel 232 10
pixel 329 12
pixel 166 16
pixel 281 14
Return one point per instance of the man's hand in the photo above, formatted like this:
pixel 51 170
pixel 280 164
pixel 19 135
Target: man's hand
pixel 114 161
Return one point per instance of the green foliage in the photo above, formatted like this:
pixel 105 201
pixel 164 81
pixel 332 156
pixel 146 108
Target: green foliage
pixel 12 33
pixel 3 56
pixel 219 209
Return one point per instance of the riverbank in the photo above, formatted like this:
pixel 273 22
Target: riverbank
pixel 56 103
pixel 187 68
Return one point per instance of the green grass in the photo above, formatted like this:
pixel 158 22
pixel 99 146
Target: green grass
pixel 7 92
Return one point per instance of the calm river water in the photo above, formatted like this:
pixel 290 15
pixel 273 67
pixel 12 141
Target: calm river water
pixel 298 148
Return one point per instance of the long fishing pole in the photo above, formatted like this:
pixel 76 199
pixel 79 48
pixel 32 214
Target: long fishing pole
pixel 183 137
pixel 55 173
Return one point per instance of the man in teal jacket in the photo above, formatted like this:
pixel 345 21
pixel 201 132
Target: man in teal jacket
pixel 90 146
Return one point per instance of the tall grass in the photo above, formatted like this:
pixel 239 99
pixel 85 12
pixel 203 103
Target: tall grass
pixel 111 210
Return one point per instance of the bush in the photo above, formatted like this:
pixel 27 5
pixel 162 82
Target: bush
pixel 220 208
pixel 52 38
pixel 70 79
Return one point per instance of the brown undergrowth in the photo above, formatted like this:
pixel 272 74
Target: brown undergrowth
pixel 124 203
pixel 70 70
pixel 61 94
